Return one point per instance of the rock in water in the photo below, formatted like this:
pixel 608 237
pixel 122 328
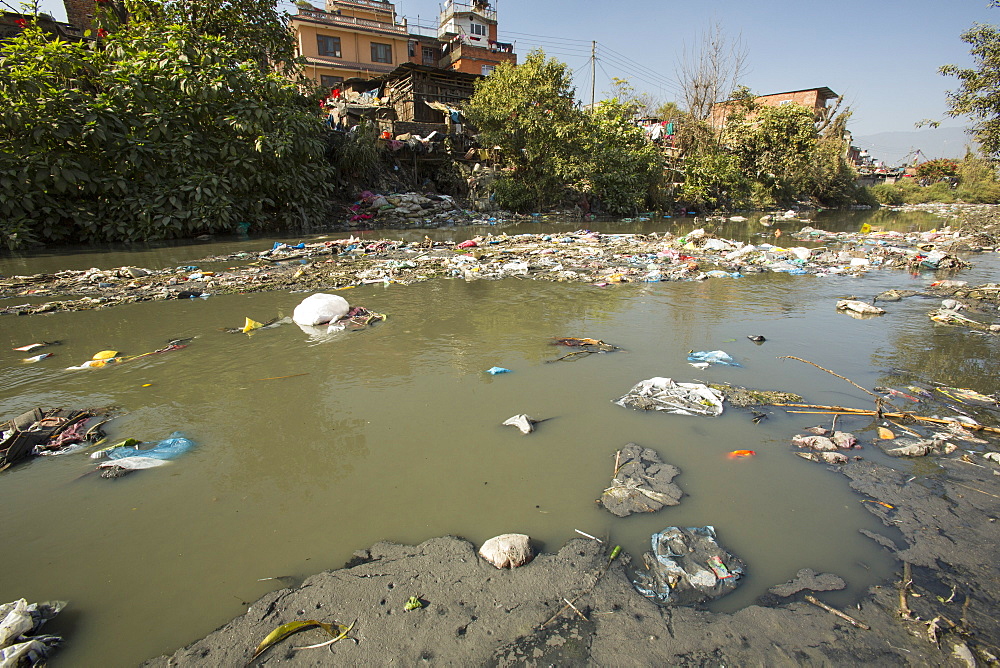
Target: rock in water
pixel 507 551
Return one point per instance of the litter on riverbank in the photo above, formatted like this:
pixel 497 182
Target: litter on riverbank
pixel 581 256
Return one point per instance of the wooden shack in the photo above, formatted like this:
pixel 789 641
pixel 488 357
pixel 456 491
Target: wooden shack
pixel 410 87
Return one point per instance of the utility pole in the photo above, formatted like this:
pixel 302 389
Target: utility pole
pixel 593 71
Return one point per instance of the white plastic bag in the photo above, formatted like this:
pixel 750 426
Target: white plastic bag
pixel 320 309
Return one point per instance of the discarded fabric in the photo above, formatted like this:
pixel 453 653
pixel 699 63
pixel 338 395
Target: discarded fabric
pixel 664 394
pixel 687 566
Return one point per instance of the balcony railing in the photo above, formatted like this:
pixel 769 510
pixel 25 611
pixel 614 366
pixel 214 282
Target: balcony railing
pixel 352 22
pixel 481 8
pixel 371 4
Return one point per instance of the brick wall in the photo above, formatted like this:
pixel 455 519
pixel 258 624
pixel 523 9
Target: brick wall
pixel 80 13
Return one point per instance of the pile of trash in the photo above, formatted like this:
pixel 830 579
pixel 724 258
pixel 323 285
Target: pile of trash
pixel 686 566
pixel 20 621
pixel 47 432
pixel 665 394
pixel 404 210
pixel 584 255
pixel 642 483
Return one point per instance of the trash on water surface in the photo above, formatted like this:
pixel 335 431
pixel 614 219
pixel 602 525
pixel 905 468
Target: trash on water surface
pixel 712 357
pixel 642 483
pixel 522 422
pixel 686 567
pixel 19 622
pixel 494 370
pixel 320 309
pixel 128 458
pixel 665 394
pixel 854 306
pixel 738 454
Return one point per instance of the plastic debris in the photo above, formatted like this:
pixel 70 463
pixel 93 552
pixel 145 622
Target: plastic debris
pixel 908 448
pixel 124 458
pixel 37 358
pixel 19 622
pixel 738 454
pixel 494 370
pixel 320 309
pixel 522 422
pixel 664 394
pixel 824 457
pixel 686 567
pixel 712 357
pixel 642 483
pixel 859 307
pixel 251 325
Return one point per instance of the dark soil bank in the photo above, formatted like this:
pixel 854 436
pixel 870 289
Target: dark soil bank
pixel 942 527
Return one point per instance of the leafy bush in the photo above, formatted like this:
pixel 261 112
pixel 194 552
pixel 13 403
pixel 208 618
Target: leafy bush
pixel 937 168
pixel 888 194
pixel 151 132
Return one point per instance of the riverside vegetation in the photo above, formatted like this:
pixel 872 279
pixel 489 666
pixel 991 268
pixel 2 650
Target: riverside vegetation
pixel 187 117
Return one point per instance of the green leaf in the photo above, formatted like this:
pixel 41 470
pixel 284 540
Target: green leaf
pixel 336 631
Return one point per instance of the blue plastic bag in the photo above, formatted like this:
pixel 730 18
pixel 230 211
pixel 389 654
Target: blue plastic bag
pixel 713 357
pixel 173 446
pixel 497 369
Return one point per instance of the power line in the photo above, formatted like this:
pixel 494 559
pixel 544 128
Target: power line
pixel 638 74
pixel 653 72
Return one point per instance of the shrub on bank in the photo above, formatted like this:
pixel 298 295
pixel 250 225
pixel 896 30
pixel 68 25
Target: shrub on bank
pixel 149 133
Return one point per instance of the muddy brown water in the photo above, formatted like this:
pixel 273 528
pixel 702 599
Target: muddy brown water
pixel 308 450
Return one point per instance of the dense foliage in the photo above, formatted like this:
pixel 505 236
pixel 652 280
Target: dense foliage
pixel 553 151
pixel 937 168
pixel 151 131
pixel 978 95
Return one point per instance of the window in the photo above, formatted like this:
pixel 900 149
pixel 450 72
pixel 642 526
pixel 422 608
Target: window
pixel 429 56
pixel 328 45
pixel 381 53
pixel 477 29
pixel 488 70
pixel 327 81
pixel 412 49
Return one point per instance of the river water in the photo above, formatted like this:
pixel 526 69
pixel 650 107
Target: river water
pixel 310 450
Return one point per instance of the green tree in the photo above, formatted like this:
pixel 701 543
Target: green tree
pixel 937 168
pixel 152 132
pixel 978 94
pixel 529 112
pixel 623 167
pixel 775 147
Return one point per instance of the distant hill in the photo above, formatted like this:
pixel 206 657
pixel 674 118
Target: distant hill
pixel 894 148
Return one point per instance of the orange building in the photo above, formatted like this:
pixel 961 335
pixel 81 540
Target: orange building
pixel 468 33
pixel 812 98
pixel 350 38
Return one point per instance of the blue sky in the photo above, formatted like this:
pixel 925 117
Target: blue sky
pixel 883 56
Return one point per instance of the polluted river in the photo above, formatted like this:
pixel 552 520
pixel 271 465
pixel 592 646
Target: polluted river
pixel 309 448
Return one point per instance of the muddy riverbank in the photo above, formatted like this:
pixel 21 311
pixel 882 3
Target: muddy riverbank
pixel 474 614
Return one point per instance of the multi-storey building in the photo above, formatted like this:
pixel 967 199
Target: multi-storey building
pixel 468 33
pixel 364 39
pixel 350 38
